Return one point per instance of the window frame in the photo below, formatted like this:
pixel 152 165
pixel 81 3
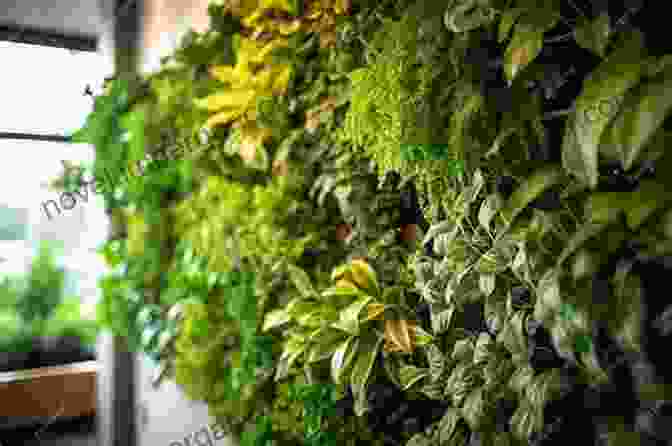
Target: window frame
pixel 33 36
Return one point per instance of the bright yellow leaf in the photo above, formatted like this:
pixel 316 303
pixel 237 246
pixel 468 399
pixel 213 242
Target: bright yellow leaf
pixel 224 73
pixel 281 80
pixel 228 99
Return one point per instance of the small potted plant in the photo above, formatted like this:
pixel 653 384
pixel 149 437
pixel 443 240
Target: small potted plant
pixel 38 327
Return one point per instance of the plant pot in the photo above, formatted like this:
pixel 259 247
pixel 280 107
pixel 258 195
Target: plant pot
pixel 13 360
pixel 51 351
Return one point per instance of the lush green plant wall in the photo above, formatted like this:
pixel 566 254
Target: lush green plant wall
pixel 279 237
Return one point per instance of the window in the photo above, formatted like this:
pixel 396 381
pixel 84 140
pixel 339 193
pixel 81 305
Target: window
pixel 44 101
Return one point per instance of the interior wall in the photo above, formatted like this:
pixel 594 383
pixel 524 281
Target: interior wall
pixel 165 21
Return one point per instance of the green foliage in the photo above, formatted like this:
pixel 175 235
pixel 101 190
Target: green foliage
pixel 44 288
pixel 401 73
pixel 318 402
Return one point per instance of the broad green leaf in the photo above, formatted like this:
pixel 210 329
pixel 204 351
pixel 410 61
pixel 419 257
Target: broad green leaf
pixel 488 210
pixel 393 295
pixel 583 344
pixel 486 283
pixel 531 188
pixel 522 377
pixel 419 439
pixel 649 197
pixel 484 349
pixel 342 358
pixel 448 424
pixel 594 35
pixel 496 260
pixel 513 334
pixel 439 228
pixel 586 263
pixel 441 320
pixel 548 296
pixel 525 420
pixel 643 111
pixel 436 360
pixel 298 307
pixel 313 319
pixel 596 106
pixel 301 281
pixel 341 295
pixel 434 389
pixel 275 318
pixel 410 375
pixel 366 357
pixel 349 316
pixel 463 350
pixel 474 409
pixel 521 265
pixel 606 207
pixel 471 193
pixel 499 141
pixel 325 343
pixel 585 232
pixel 498 371
pixel 285 364
pixel 340 271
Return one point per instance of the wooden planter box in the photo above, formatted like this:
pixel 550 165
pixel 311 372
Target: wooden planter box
pixel 61 391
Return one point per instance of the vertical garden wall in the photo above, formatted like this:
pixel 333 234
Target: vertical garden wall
pixel 396 222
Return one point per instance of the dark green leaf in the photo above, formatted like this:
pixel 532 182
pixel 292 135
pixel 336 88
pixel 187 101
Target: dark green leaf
pixel 645 200
pixel 530 189
pixel 643 111
pixel 585 232
pixel 361 371
pixel 509 18
pixel 606 207
pixel 594 35
pixel 596 106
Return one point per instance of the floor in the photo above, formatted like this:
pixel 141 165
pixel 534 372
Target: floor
pixel 77 432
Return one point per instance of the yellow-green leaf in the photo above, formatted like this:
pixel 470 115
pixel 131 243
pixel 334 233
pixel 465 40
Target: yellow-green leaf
pixel 301 281
pixel 342 358
pixel 275 318
pixel 349 316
